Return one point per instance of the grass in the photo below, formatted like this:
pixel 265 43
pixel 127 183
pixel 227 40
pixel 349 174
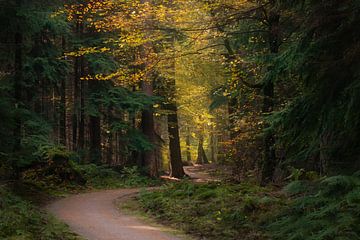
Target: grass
pixel 318 209
pixel 213 210
pixel 131 207
pixel 21 220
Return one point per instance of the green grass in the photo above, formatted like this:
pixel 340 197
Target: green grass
pixel 323 209
pixel 214 211
pixel 20 220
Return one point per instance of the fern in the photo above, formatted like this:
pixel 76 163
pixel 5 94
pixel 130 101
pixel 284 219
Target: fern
pixel 328 209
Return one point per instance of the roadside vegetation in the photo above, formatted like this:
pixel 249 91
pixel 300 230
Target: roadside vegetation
pixel 326 208
pixel 21 220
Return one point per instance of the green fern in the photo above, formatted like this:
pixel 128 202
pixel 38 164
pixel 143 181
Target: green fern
pixel 328 209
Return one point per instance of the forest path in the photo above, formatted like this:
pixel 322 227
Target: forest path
pixel 203 173
pixel 94 216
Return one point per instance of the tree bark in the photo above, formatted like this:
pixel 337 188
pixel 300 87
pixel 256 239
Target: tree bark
pixel 17 131
pixel 188 147
pixel 62 120
pixel 76 98
pixel 269 155
pixel 177 169
pixel 95 139
pixel 81 137
pixel 201 158
pixel 148 128
pixel 213 147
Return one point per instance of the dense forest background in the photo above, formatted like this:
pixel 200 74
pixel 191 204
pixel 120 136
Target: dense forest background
pixel 268 88
pixel 263 85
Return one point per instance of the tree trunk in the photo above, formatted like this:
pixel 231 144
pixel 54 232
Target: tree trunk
pixel 232 108
pixel 269 156
pixel 213 146
pixel 18 62
pixel 76 99
pixel 177 169
pixel 201 158
pixel 62 120
pixel 95 139
pixel 148 128
pixel 81 137
pixel 110 138
pixel 188 147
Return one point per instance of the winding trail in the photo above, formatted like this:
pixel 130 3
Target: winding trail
pixel 95 217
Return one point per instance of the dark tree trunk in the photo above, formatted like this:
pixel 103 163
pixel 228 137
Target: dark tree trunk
pixel 81 137
pixel 95 139
pixel 177 169
pixel 62 120
pixel 269 156
pixel 188 147
pixel 18 99
pixel 148 128
pixel 201 158
pixel 18 88
pixel 232 108
pixel 76 90
pixel 110 136
pixel 213 147
pixel 95 129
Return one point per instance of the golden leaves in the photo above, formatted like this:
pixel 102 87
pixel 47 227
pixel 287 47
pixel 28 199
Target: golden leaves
pixel 87 50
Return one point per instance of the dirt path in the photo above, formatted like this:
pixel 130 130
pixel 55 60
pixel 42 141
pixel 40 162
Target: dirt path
pixel 201 173
pixel 95 217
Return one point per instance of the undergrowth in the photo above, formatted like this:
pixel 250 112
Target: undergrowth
pixel 214 210
pixel 103 177
pixel 322 210
pixel 20 220
pixel 92 177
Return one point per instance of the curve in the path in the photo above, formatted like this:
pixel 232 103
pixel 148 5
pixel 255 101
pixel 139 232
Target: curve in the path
pixel 95 217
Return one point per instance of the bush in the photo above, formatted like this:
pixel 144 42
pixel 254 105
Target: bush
pixel 56 173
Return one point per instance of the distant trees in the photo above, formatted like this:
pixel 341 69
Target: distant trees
pixel 287 58
pixel 100 77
